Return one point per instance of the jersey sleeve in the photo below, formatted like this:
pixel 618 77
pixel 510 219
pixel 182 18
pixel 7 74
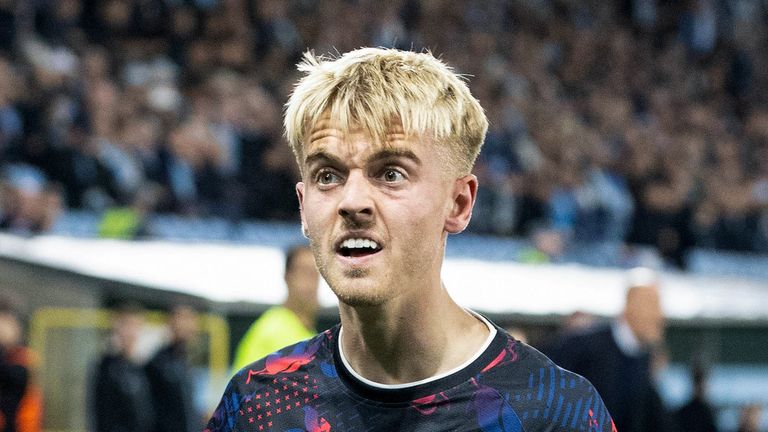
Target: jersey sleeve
pixel 548 398
pixel 579 407
pixel 225 417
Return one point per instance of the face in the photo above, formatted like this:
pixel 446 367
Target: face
pixel 183 323
pixel 377 214
pixel 127 329
pixel 302 279
pixel 644 315
pixel 10 330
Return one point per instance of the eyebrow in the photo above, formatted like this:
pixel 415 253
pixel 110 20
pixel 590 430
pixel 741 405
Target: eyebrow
pixel 384 154
pixel 394 153
pixel 321 156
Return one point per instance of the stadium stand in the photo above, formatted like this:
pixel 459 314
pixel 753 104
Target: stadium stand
pixel 634 121
pixel 623 133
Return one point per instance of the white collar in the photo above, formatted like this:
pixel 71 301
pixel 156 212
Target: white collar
pixel 625 338
pixel 486 344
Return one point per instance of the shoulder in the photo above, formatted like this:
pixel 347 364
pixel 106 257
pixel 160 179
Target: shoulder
pixel 161 358
pixel 296 358
pixel 539 369
pixel 295 363
pixel 572 343
pixel 165 352
pixel 22 356
pixel 108 361
pixel 569 383
pixel 273 321
pixel 592 333
pixel 275 312
pixel 543 394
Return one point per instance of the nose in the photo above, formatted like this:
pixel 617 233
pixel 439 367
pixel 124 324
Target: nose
pixel 356 204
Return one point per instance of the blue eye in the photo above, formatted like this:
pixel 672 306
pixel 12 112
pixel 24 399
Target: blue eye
pixel 392 176
pixel 327 178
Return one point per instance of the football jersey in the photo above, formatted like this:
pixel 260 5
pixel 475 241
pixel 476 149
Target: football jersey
pixel 509 386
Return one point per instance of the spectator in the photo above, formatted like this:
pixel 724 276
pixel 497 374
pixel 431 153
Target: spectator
pixel 616 358
pixel 293 321
pixel 196 184
pixel 170 377
pixel 20 400
pixel 697 415
pixel 97 95
pixel 750 418
pixel 121 400
pixel 32 204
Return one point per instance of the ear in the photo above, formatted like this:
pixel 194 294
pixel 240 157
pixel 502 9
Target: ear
pixel 464 194
pixel 300 196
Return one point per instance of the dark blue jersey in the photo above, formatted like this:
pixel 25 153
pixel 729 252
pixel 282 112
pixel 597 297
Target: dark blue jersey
pixel 508 387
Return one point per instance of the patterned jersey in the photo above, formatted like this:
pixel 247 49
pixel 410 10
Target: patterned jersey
pixel 510 387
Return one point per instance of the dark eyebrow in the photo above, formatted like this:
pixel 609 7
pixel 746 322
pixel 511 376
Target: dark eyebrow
pixel 394 153
pixel 321 156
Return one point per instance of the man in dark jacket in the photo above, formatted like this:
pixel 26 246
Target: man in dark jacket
pixel 697 415
pixel 121 398
pixel 170 377
pixel 616 358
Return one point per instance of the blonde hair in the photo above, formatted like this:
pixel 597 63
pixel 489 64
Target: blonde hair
pixel 378 88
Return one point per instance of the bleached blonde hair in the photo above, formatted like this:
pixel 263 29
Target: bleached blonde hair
pixel 375 89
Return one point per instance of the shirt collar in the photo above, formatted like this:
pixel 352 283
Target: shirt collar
pixel 625 338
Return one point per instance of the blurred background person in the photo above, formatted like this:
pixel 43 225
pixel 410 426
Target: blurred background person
pixel 291 322
pixel 171 379
pixel 616 357
pixel 121 399
pixel 697 415
pixel 20 401
pixel 750 418
pixel 31 202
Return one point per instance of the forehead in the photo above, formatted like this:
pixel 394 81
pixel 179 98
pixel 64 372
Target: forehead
pixel 329 136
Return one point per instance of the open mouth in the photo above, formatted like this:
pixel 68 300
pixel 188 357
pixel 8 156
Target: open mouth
pixel 358 247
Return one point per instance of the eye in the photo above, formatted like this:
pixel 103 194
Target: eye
pixel 391 175
pixel 327 177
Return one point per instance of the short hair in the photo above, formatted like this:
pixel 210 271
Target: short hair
pixel 377 88
pixel 128 307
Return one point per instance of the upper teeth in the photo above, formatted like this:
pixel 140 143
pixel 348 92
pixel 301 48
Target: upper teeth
pixel 359 243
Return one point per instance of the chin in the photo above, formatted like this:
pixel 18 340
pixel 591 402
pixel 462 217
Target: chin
pixel 353 300
pixel 359 292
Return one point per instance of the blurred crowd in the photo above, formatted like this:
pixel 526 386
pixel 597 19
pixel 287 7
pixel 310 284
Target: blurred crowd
pixel 638 121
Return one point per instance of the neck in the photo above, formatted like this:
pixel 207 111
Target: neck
pixel 382 342
pixel 307 318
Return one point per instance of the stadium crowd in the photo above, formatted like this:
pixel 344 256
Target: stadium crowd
pixel 636 121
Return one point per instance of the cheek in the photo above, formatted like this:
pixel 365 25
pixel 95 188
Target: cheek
pixel 423 223
pixel 316 210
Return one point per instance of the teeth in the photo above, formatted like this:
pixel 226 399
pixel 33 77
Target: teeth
pixel 359 244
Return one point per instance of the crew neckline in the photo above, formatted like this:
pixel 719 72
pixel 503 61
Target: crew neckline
pixel 409 391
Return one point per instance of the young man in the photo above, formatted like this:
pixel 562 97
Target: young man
pixel 385 141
